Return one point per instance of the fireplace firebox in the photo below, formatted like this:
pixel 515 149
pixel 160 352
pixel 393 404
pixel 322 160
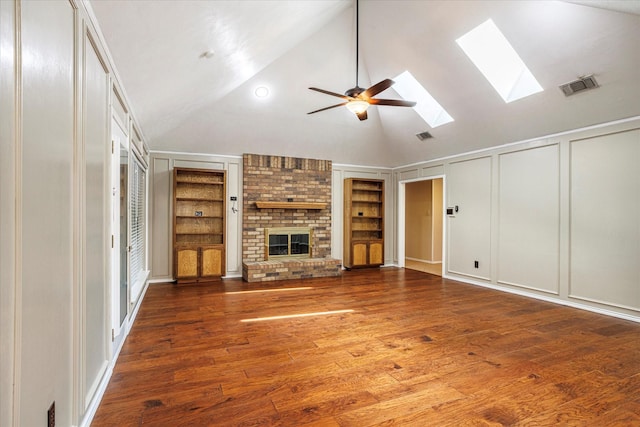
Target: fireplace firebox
pixel 288 242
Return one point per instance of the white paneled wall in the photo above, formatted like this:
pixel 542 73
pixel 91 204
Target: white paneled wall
pixel 162 164
pixel 9 182
pixel 161 189
pixel 44 188
pixel 55 251
pixel 469 239
pixel 556 218
pixel 605 219
pixel 95 233
pixel 529 219
pixel 161 192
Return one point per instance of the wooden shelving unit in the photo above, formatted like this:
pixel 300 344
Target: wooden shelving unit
pixel 198 224
pixel 363 223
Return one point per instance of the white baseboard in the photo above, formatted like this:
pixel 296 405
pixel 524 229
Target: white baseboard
pixel 426 261
pixel 547 298
pixel 170 279
pixel 167 280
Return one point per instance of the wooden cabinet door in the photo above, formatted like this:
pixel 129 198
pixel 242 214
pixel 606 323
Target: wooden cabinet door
pixel 359 254
pixel 186 263
pixel 211 258
pixel 376 253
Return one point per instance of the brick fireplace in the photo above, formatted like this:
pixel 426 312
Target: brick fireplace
pixel 286 192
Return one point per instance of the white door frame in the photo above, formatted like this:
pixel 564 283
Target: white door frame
pixel 402 211
pixel 115 236
pixel 119 140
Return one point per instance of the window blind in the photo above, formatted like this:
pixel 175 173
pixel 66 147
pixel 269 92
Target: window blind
pixel 138 229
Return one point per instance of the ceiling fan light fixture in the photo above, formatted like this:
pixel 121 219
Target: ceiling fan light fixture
pixel 357 106
pixel 357 99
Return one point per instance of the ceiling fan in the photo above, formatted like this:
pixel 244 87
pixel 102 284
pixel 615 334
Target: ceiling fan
pixel 358 99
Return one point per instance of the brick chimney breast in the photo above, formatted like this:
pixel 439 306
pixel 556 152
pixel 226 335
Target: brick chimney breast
pixel 285 179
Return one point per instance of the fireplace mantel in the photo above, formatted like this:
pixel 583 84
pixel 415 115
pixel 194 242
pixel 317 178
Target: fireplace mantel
pixel 290 205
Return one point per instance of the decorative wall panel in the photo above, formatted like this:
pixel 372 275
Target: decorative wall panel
pixel 529 219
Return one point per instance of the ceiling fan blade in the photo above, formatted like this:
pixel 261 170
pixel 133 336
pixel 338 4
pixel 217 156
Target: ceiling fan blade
pixel 378 87
pixel 362 116
pixel 392 102
pixel 330 93
pixel 328 108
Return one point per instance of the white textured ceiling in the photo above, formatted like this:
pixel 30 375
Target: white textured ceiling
pixel 185 102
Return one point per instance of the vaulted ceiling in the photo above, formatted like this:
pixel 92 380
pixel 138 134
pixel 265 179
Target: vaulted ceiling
pixel 190 70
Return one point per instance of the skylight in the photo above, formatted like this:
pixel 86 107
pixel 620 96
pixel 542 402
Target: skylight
pixel 498 61
pixel 426 106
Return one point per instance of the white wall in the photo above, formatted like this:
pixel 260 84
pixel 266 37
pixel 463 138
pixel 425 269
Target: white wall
pixel 438 218
pixel 469 236
pixel 529 219
pixel 556 218
pixel 605 219
pixel 161 192
pixel 94 223
pixel 44 186
pixel 8 210
pixel 55 105
pixel 161 188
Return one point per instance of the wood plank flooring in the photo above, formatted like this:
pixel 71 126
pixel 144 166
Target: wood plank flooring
pixel 417 350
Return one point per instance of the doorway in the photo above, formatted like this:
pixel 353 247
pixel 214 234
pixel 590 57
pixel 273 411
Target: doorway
pixel 421 225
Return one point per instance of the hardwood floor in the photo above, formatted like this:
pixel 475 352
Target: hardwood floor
pixel 416 350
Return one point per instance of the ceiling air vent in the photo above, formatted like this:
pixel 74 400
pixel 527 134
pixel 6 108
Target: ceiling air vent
pixel 582 84
pixel 424 135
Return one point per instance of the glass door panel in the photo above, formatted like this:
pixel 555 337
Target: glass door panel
pixel 124 224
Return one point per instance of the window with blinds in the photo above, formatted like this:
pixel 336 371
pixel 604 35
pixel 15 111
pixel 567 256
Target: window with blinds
pixel 138 228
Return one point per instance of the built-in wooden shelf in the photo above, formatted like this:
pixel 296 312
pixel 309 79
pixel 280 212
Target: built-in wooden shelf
pixel 290 205
pixel 198 224
pixel 363 223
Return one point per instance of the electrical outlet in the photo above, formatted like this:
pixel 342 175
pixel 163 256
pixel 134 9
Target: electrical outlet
pixel 51 415
pixel 476 264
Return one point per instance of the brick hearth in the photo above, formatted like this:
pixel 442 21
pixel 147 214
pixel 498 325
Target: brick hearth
pixel 286 269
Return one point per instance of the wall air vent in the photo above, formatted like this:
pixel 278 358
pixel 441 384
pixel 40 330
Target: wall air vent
pixel 580 85
pixel 424 135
